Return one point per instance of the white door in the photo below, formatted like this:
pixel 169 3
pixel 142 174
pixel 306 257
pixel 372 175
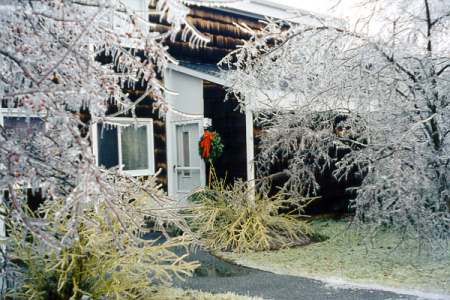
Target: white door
pixel 188 163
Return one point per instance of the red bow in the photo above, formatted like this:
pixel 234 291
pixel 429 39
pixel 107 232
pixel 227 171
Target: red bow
pixel 205 143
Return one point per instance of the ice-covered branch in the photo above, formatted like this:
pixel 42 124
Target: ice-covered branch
pixel 369 107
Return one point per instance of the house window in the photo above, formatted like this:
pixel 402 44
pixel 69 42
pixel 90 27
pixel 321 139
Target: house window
pixel 127 143
pixel 20 124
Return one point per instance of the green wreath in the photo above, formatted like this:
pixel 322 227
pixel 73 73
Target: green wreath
pixel 210 146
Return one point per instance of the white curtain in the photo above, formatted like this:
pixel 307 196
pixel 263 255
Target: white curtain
pixel 134 148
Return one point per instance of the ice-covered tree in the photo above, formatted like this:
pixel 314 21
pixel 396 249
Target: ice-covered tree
pixel 369 100
pixel 49 72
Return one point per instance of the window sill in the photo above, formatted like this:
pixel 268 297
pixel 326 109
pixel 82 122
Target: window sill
pixel 137 173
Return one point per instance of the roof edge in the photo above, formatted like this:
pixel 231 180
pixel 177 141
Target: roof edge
pixel 197 74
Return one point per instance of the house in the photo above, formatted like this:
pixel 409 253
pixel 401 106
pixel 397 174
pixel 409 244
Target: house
pixel 151 142
pixel 171 143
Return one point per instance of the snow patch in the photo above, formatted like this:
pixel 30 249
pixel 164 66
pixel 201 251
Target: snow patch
pixel 339 283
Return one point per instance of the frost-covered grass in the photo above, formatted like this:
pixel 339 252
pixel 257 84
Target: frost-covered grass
pixel 180 294
pixel 344 256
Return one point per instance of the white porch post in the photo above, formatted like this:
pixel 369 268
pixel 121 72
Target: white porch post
pixel 170 148
pixel 2 231
pixel 3 247
pixel 250 151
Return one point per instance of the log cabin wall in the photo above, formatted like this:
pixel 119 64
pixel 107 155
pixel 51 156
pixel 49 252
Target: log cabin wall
pixel 230 124
pixel 220 26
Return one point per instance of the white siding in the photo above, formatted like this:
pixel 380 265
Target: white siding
pixel 185 98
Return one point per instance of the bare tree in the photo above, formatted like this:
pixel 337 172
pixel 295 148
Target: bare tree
pixel 371 100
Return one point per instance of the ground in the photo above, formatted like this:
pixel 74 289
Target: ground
pixel 218 276
pixel 345 258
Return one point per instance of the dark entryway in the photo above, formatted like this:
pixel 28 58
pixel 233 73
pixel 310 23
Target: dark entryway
pixel 229 122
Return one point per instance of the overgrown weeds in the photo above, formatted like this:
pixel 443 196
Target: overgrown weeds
pixel 234 218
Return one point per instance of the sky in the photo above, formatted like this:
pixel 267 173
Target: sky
pixel 319 6
pixel 346 9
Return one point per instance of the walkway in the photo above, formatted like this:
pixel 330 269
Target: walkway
pixel 218 276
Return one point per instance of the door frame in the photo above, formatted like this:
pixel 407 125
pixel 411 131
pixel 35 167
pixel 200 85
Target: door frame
pixel 172 156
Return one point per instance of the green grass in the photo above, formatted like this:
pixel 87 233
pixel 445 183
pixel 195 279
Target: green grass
pixel 346 256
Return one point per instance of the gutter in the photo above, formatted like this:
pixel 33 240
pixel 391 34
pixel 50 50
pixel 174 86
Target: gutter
pixel 197 74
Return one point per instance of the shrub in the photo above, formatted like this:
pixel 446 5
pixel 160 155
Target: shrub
pixel 106 258
pixel 229 218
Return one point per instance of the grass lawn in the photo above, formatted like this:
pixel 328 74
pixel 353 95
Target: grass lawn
pixel 344 256
pixel 180 294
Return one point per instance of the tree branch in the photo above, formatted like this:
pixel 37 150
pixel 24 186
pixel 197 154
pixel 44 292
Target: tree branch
pixel 429 25
pixel 438 73
pixel 440 18
pixel 19 63
pixel 389 58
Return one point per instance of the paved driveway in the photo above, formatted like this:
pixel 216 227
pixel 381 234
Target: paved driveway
pixel 216 275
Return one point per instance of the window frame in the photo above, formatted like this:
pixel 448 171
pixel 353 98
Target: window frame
pixel 16 112
pixel 148 122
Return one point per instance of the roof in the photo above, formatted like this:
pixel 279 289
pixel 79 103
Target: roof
pixel 262 9
pixel 208 72
pixel 251 11
pixel 209 69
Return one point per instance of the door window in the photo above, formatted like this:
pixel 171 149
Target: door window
pixel 188 160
